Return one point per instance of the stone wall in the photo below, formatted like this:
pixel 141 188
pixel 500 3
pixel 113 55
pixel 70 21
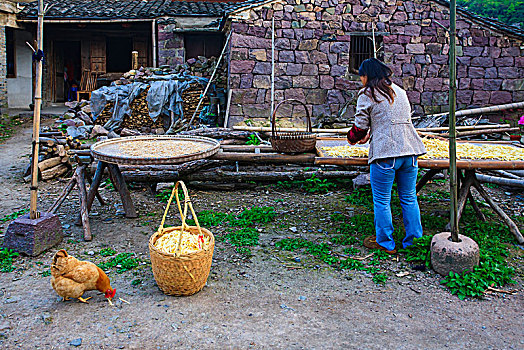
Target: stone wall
pixel 170 45
pixel 3 69
pixel 312 43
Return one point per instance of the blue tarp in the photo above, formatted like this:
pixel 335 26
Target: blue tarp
pixel 164 96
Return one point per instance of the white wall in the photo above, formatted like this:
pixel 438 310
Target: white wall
pixel 19 89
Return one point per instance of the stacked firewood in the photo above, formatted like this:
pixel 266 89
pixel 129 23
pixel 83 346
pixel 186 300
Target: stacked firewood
pixel 55 155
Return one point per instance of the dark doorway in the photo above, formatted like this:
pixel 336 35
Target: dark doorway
pixel 67 69
pixel 207 45
pixel 119 54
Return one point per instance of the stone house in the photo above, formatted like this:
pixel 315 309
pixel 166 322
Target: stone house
pixel 8 10
pixel 319 44
pixel 99 36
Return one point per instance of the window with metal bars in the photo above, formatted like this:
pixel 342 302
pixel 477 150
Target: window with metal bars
pixel 361 48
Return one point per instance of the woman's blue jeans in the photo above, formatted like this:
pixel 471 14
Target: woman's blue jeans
pixel 382 173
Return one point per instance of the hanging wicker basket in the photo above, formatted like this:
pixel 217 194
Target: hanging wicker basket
pixel 292 142
pixel 181 274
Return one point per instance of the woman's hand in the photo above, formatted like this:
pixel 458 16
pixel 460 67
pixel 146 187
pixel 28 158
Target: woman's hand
pixel 365 139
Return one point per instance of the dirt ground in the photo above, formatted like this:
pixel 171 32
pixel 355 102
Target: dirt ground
pixel 274 299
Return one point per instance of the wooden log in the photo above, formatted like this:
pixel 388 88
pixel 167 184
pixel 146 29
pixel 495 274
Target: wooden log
pixel 61 150
pixel 80 152
pixel 305 158
pixel 512 226
pixel 218 133
pixel 500 181
pixel 81 184
pixel 183 168
pixel 222 176
pixel 215 186
pixel 120 185
pixel 247 148
pixel 51 134
pixel 482 132
pixel 49 163
pixel 47 141
pixel 465 127
pixel 53 172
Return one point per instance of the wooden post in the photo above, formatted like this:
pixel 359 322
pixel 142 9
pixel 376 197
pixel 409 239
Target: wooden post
pixel 34 214
pixel 134 59
pixel 452 122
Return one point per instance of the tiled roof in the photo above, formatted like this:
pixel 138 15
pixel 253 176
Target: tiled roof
pixel 130 9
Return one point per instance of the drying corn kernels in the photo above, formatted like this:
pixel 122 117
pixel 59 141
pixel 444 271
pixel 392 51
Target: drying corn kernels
pixel 440 149
pixel 191 243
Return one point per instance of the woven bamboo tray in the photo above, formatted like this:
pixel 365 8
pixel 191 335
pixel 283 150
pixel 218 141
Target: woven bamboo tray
pixel 112 151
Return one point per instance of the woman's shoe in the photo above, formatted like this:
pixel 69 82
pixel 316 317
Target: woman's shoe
pixel 371 243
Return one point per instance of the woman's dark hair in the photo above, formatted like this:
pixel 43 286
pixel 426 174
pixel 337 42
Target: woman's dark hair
pixel 378 75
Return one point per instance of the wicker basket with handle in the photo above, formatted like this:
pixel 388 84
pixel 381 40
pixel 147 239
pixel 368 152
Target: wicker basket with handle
pixel 292 142
pixel 181 274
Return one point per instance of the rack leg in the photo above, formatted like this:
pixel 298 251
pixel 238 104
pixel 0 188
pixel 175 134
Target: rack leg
pixel 479 213
pixel 80 182
pixel 426 177
pixel 97 194
pixel 121 186
pixel 97 179
pixel 512 226
pixel 70 185
pixel 466 183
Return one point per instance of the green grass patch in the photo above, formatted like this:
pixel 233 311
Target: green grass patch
pixel 123 262
pixel 7 125
pixel 314 184
pixel 107 252
pixel 14 215
pixel 6 259
pixel 419 251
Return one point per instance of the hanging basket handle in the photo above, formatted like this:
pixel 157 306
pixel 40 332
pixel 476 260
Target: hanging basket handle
pixel 274 131
pixel 183 213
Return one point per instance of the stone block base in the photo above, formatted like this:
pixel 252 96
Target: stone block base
pixel 458 257
pixel 32 237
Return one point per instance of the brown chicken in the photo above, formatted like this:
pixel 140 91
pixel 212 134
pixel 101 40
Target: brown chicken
pixel 70 278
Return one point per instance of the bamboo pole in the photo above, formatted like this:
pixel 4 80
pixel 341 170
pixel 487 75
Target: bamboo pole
pixel 345 130
pixel 210 80
pixel 489 109
pixel 453 183
pixel 34 214
pixel 272 66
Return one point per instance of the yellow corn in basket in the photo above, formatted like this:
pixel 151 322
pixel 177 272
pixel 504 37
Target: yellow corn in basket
pixel 176 273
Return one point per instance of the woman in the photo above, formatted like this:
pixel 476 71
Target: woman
pixel 383 117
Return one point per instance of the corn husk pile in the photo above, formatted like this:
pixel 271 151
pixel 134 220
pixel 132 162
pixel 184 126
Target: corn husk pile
pixel 191 243
pixel 440 149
